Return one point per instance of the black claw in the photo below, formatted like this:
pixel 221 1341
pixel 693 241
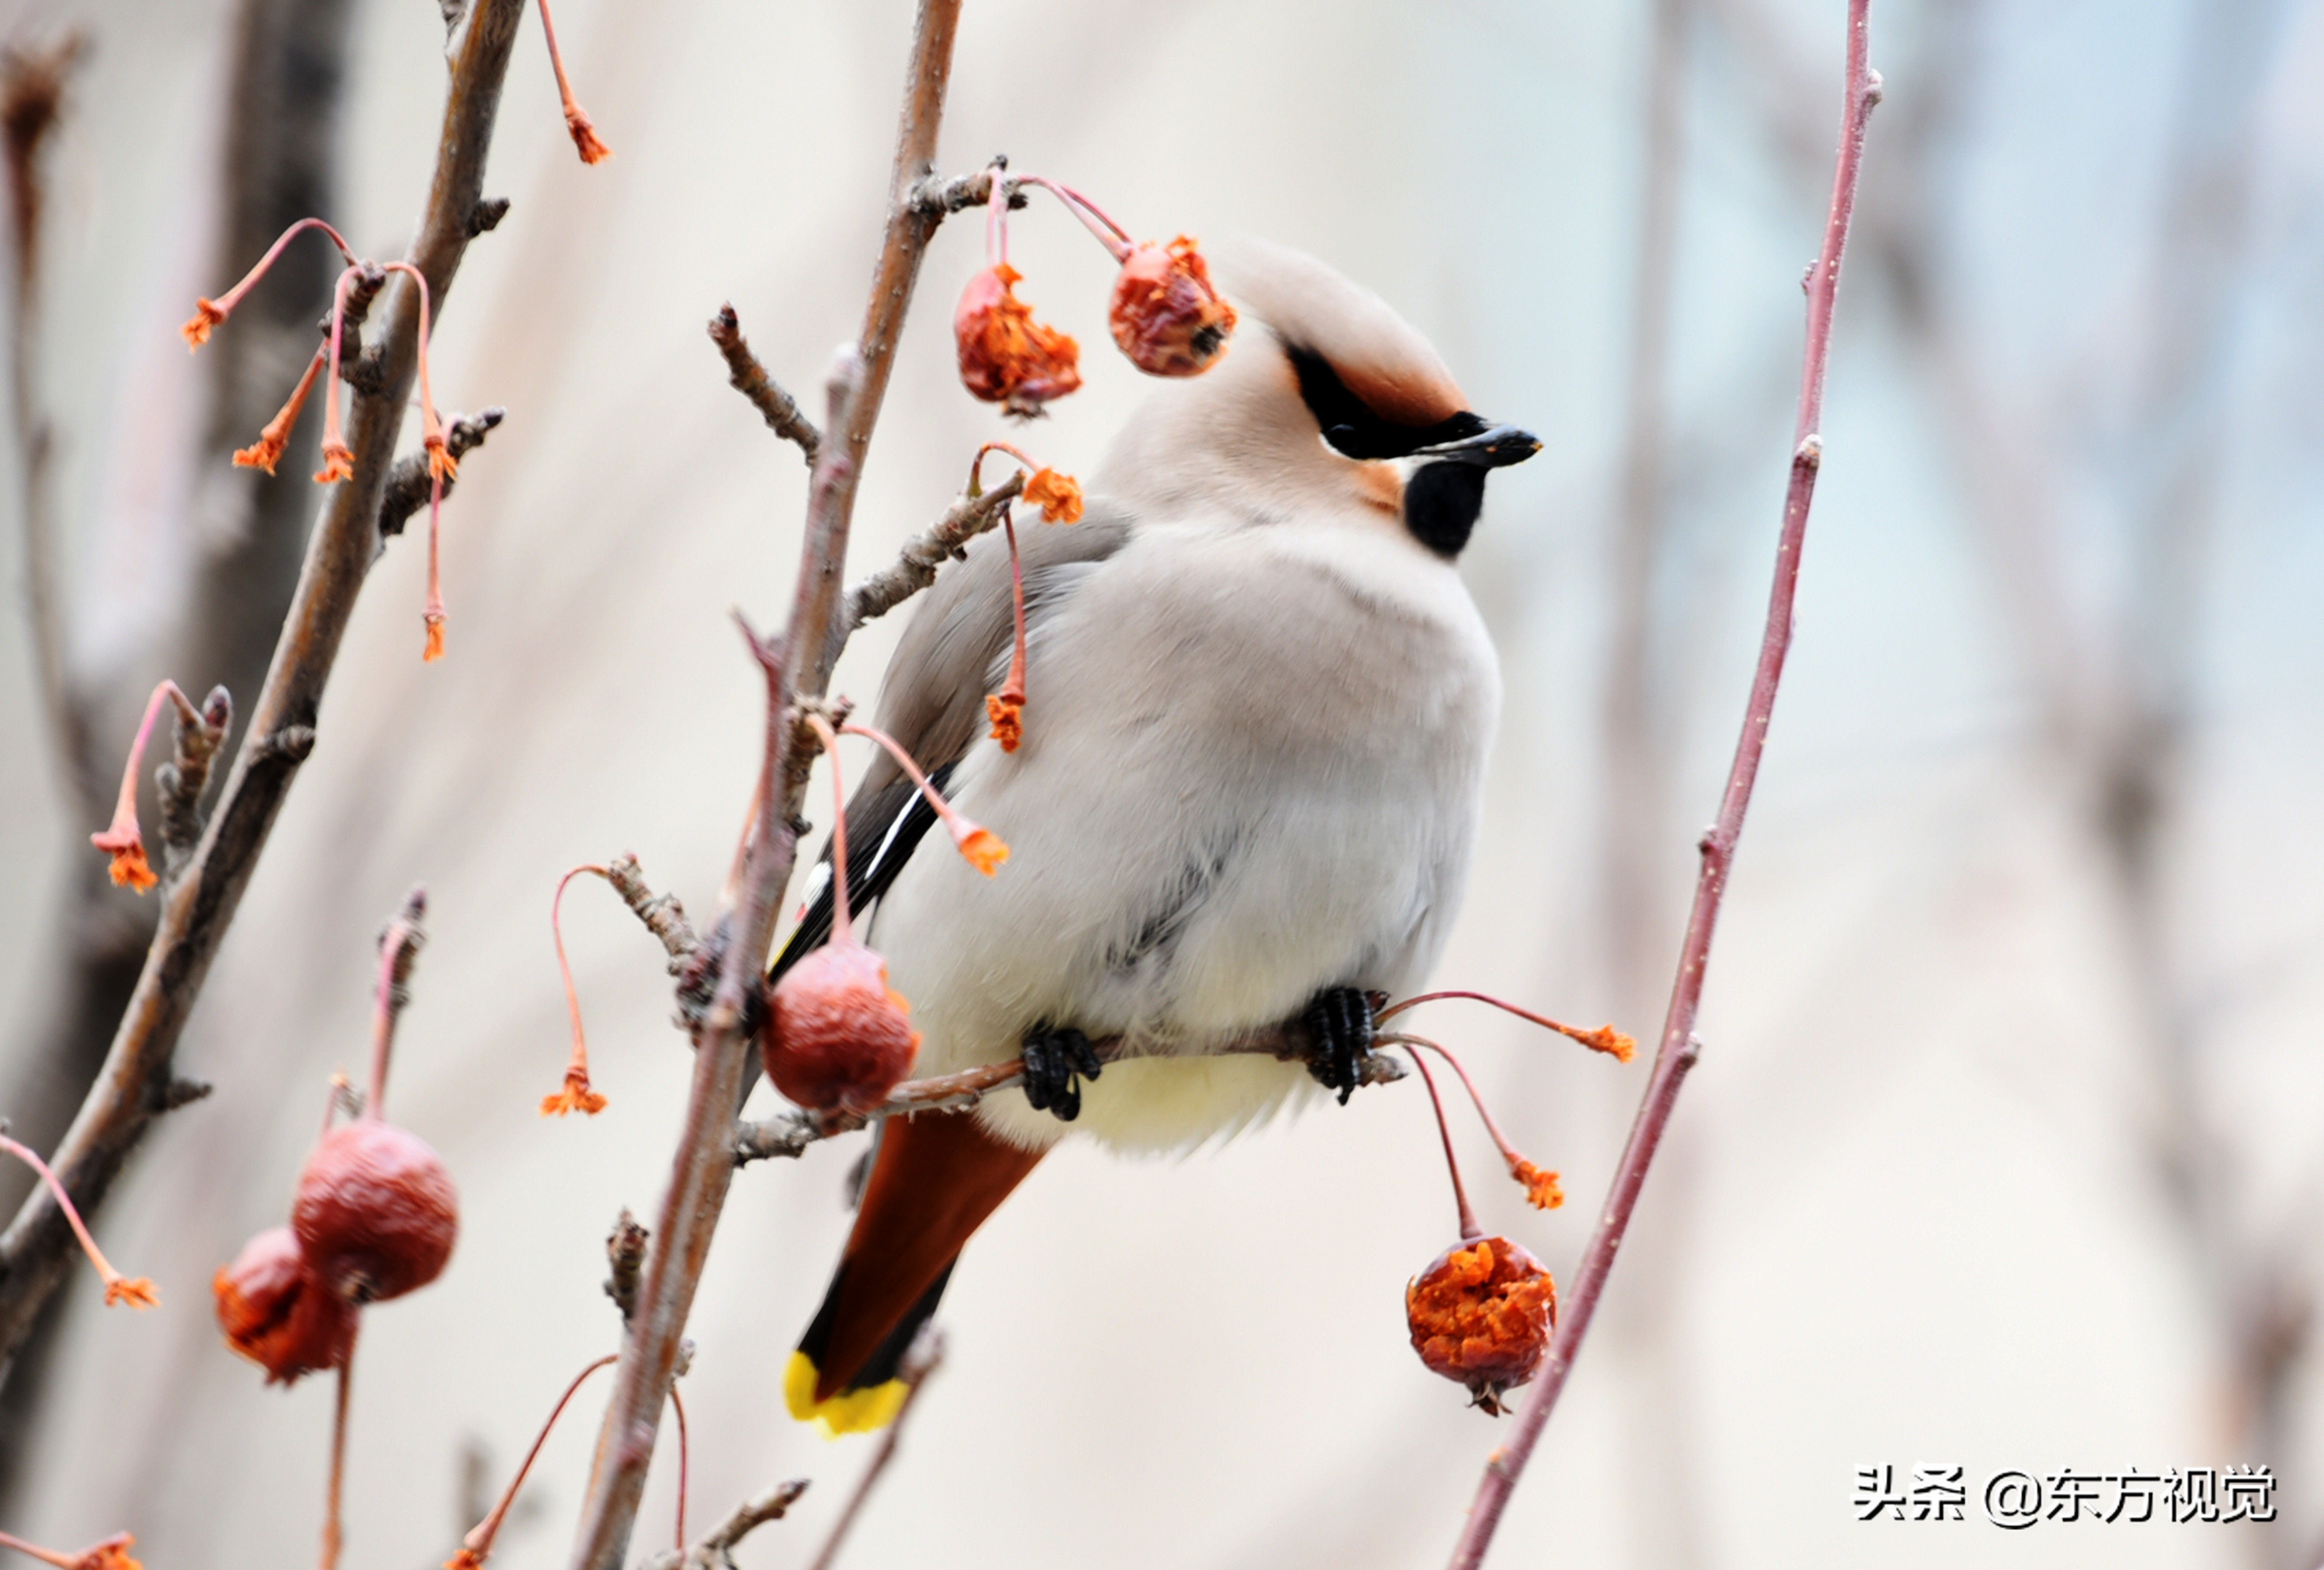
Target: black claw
pixel 1339 1019
pixel 1055 1061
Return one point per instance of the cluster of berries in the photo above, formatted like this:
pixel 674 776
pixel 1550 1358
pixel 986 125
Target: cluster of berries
pixel 1164 315
pixel 1482 1313
pixel 375 1217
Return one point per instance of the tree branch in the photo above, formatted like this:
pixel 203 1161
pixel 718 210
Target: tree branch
pixel 408 484
pixel 915 567
pixel 198 908
pixel 1680 1046
pixel 796 665
pixel 712 1553
pixel 923 1358
pixel 790 1134
pixel 776 407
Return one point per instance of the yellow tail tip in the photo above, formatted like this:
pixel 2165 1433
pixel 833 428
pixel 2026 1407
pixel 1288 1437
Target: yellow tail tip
pixel 848 1412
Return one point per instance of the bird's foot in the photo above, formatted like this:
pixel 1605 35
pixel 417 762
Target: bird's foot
pixel 1339 1023
pixel 1055 1063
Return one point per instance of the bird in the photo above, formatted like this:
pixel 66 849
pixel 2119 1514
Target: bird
pixel 1259 707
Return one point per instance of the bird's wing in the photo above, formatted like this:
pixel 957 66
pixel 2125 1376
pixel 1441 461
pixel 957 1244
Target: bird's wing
pixel 932 700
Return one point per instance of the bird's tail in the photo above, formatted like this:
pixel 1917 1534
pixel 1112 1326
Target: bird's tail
pixel 934 1179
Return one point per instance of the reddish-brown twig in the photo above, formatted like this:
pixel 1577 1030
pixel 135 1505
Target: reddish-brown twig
pixel 796 665
pixel 199 905
pixel 925 1355
pixel 1679 1048
pixel 136 1291
pixel 334 1533
pixel 477 1545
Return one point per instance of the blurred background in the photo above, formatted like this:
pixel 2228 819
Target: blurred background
pixel 2006 1150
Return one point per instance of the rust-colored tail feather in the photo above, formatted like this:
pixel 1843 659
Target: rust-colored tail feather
pixel 934 1180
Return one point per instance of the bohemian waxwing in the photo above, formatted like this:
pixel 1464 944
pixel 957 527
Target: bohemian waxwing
pixel 1259 703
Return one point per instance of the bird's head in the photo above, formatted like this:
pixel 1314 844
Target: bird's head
pixel 1326 402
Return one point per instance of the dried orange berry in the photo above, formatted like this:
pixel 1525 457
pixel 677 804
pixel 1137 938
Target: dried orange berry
pixel 376 1214
pixel 838 1036
pixel 1165 316
pixel 275 1313
pixel 1006 357
pixel 1007 713
pixel 126 846
pixel 1060 497
pixel 1481 1315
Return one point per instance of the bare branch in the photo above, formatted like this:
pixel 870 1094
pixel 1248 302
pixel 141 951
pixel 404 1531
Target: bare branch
pixel 408 484
pixel 712 1553
pixel 790 1134
pixel 796 665
pixel 664 917
pixel 923 1358
pixel 184 778
pixel 196 910
pixel 1680 1046
pixel 625 1253
pixel 776 407
pixel 915 567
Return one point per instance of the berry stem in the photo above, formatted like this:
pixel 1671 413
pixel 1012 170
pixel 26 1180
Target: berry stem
pixel 1112 235
pixel 1604 1038
pixel 137 1291
pixel 399 946
pixel 1013 689
pixel 1469 1231
pixel 46 1556
pixel 122 838
pixel 679 1407
pixel 334 1536
pixel 576 1093
pixel 1520 1169
pixel 842 932
pixel 478 1544
pixel 209 313
pixel 576 120
pixel 978 844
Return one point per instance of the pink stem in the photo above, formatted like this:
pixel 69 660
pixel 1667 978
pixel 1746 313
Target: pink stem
pixel 430 430
pixel 124 809
pixel 1679 1048
pixel 1091 215
pixel 479 1540
pixel 1596 1040
pixel 943 808
pixel 1500 1142
pixel 24 1153
pixel 579 1062
pixel 233 297
pixel 1470 1230
pixel 679 1407
pixel 842 932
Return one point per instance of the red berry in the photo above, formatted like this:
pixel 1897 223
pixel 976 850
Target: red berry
pixel 837 1037
pixel 1481 1315
pixel 274 1313
pixel 1165 316
pixel 376 1214
pixel 1006 357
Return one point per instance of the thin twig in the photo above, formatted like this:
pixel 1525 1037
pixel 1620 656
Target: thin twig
pixel 790 1134
pixel 776 407
pixel 924 1357
pixel 1680 1046
pixel 664 917
pixel 408 483
pixel 916 564
pixel 711 1552
pixel 182 780
pixel 797 665
pixel 198 910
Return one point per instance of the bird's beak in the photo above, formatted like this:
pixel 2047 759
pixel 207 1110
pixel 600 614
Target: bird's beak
pixel 1495 447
